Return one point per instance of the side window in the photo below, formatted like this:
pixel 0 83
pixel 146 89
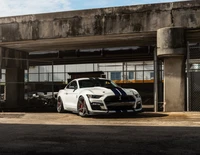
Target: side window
pixel 72 85
pixel 86 83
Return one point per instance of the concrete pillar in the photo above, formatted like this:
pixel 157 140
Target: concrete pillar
pixel 171 46
pixel 14 86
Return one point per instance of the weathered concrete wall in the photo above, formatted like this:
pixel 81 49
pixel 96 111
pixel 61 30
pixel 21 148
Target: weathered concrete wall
pixel 116 20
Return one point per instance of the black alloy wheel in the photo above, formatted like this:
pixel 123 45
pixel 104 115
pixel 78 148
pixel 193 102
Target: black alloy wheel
pixel 82 107
pixel 60 107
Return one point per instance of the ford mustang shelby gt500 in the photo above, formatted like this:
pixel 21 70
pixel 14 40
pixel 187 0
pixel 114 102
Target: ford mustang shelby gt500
pixel 87 96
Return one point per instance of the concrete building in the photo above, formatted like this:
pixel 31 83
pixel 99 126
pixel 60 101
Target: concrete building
pixel 167 26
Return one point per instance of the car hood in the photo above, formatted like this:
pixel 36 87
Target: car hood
pixel 110 91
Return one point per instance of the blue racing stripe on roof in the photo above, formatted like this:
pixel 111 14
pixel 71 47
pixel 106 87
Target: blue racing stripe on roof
pixel 121 91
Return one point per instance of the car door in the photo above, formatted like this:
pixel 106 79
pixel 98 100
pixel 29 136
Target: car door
pixel 70 96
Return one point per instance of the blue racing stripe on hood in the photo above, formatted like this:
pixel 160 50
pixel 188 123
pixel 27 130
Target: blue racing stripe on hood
pixel 121 91
pixel 115 91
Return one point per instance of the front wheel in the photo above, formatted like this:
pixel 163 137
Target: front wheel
pixel 82 107
pixel 60 107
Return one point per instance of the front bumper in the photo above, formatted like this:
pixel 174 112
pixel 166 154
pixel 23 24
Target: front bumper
pixel 102 106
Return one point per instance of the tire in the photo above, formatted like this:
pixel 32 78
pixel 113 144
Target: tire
pixel 60 108
pixel 82 107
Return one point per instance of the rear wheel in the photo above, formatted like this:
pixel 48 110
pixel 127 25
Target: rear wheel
pixel 60 107
pixel 82 107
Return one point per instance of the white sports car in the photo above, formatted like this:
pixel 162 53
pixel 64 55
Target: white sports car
pixel 87 96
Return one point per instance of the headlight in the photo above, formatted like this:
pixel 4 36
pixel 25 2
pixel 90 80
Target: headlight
pixel 137 95
pixel 94 96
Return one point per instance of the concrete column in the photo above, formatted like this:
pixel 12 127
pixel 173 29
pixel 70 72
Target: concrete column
pixel 14 86
pixel 1 63
pixel 171 46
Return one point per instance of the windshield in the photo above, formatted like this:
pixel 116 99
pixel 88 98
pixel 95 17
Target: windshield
pixel 96 82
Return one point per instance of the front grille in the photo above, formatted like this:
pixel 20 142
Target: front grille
pixel 111 99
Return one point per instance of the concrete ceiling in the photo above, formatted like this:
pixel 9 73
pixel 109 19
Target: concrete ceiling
pixel 70 45
pixel 86 42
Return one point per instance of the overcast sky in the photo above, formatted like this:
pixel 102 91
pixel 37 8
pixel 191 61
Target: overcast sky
pixel 21 7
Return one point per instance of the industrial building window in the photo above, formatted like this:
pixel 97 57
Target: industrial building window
pixel 152 75
pixel 115 75
pixel 131 75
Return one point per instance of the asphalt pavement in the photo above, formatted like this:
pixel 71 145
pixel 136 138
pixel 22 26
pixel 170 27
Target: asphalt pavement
pixel 144 133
